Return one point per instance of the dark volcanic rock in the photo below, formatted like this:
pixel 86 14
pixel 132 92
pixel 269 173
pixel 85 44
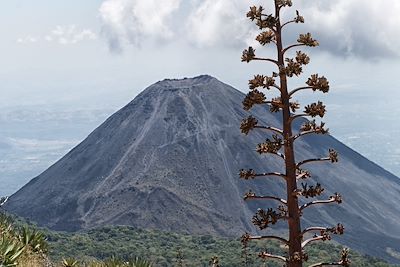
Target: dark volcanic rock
pixel 169 160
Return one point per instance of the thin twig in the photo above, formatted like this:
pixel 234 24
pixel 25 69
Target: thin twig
pixel 280 155
pixel 291 46
pixel 312 160
pixel 271 174
pixel 302 134
pixel 302 176
pixel 340 263
pixel 311 229
pixel 317 202
pixel 249 197
pixel 314 239
pixel 286 23
pixel 299 89
pixel 306 133
pixel 292 118
pixel 277 87
pixel 270 237
pixel 276 130
pixel 266 59
pixel 271 256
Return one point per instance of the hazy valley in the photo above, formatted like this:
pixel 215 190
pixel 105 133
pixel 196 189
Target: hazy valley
pixel 34 137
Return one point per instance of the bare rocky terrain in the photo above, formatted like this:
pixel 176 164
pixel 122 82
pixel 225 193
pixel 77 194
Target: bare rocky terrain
pixel 169 160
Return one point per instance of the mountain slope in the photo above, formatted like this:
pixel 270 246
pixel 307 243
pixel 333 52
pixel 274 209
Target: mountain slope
pixel 169 160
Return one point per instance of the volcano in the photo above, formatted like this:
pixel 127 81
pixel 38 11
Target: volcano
pixel 169 160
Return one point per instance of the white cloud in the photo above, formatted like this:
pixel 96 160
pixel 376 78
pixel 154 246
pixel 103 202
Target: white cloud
pixel 71 34
pixel 64 35
pixel 133 20
pixel 218 21
pixel 344 27
pixel 355 27
pixel 48 38
pixel 27 39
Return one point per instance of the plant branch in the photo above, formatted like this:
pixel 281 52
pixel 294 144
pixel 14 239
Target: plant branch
pixel 271 174
pixel 251 174
pixel 306 133
pixel 250 195
pixel 340 263
pixel 312 229
pixel 299 89
pixel 266 255
pixel 292 118
pixel 316 202
pixel 269 102
pixel 313 239
pixel 336 198
pixel 286 242
pixel 279 155
pixel 290 47
pixel 312 160
pixel 277 87
pixel 266 59
pixel 286 23
pixel 264 103
pixel 276 130
pixel 303 175
pixel 303 134
pixel 344 260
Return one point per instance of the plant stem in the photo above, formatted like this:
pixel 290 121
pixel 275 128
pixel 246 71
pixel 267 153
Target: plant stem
pixel 290 164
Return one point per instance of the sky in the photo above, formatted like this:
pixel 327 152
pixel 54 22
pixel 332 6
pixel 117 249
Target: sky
pixel 89 52
pixel 99 54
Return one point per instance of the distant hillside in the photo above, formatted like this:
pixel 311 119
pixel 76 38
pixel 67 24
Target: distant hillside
pixel 34 137
pixel 169 160
pixel 162 248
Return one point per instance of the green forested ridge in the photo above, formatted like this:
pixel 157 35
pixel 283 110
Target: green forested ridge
pixel 126 243
pixel 162 248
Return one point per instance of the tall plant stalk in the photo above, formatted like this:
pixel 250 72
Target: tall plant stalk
pixel 281 143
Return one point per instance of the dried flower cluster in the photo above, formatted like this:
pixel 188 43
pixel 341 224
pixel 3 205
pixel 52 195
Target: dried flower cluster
pixel 253 98
pixel 261 81
pixel 311 126
pixel 307 40
pixel 248 55
pixel 315 109
pixel 263 218
pixel 248 124
pixel 310 191
pixel 318 83
pixel 270 145
pixel 266 37
pixel 247 174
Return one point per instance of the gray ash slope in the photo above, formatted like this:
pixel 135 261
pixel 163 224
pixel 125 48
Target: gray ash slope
pixel 169 160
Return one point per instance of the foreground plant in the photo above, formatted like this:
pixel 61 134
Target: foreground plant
pixel 214 262
pixel 281 143
pixel 21 246
pixel 70 262
pixel 10 251
pixel 111 262
pixel 34 239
